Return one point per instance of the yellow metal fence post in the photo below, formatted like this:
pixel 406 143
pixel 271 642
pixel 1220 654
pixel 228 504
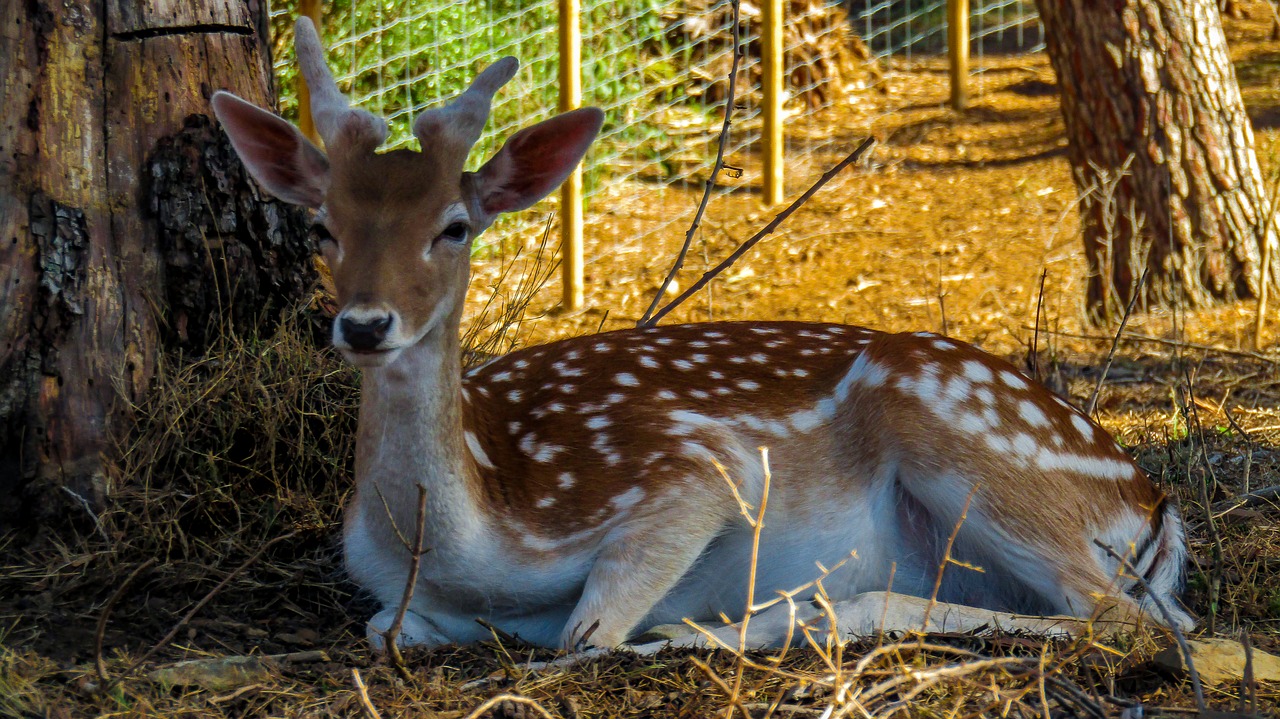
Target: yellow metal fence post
pixel 311 9
pixel 771 60
pixel 571 191
pixel 958 49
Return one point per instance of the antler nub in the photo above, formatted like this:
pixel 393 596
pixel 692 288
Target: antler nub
pixel 457 126
pixel 335 120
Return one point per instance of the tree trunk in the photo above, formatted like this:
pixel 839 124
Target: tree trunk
pixel 126 221
pixel 1161 150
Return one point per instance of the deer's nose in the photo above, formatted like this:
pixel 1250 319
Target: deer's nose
pixel 365 333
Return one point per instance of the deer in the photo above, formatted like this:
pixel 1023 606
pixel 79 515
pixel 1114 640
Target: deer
pixel 575 488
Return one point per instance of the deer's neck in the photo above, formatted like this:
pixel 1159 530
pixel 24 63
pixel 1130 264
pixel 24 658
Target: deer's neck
pixel 411 433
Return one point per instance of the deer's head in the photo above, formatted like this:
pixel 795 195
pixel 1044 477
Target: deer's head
pixel 396 228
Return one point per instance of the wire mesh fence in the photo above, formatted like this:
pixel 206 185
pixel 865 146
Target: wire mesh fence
pixel 657 67
pixel 905 28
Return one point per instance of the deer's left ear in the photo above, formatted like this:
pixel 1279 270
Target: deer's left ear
pixel 535 160
pixel 278 156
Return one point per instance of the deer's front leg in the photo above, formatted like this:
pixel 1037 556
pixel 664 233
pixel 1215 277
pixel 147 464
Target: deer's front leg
pixel 638 565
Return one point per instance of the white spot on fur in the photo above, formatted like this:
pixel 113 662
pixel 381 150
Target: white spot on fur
pixel 1024 444
pixel 1082 426
pixel 565 481
pixel 747 384
pixel 1031 413
pixel 759 358
pixel 602 347
pixel 521 364
pixel 649 362
pixel 527 443
pixel 1013 380
pixel 546 453
pixel 863 371
pixel 564 370
pixel 598 422
pixel 501 377
pixel 699 344
pixel 715 374
pixel 682 364
pixel 977 372
pixel 666 394
pixel 514 395
pixel 513 427
pixel 627 499
pixel 626 379
pixel 943 344
pixel 807 420
pixel 698 394
pixel 545 502
pixel 477 451
pixel 700 358
pixel 1099 467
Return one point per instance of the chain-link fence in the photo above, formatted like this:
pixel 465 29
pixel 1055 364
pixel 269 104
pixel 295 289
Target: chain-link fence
pixel 657 67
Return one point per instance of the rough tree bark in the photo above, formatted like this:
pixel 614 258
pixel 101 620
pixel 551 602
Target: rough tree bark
pixel 1162 151
pixel 126 222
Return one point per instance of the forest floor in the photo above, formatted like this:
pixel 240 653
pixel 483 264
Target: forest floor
pixel 949 227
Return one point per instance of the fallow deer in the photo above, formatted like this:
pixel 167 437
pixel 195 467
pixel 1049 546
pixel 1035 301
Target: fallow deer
pixel 573 484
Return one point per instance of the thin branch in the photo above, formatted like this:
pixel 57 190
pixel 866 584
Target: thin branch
pixel 1176 344
pixel 763 233
pixel 392 634
pixel 946 559
pixel 491 702
pixel 1115 342
pixel 1168 618
pixel 99 663
pixel 738 52
pixel 1035 335
pixel 363 691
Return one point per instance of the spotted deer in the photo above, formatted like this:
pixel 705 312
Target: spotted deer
pixel 574 485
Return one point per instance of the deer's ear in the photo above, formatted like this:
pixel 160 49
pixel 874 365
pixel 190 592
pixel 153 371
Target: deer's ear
pixel 535 160
pixel 284 162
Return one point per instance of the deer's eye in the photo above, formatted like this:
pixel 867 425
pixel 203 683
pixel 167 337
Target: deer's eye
pixel 456 232
pixel 322 236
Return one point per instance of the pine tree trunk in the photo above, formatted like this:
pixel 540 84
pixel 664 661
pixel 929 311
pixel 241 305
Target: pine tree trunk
pixel 126 222
pixel 1161 150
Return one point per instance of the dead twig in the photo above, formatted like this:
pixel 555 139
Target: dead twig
pixel 1092 404
pixel 1035 334
pixel 494 701
pixel 946 560
pixel 391 636
pixel 1258 496
pixel 738 52
pixel 1176 344
pixel 98 661
pixel 1168 618
pixel 363 692
pixel 763 233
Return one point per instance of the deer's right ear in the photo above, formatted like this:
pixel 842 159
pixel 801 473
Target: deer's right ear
pixel 278 156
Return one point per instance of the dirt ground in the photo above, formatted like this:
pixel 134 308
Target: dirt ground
pixel 947 227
